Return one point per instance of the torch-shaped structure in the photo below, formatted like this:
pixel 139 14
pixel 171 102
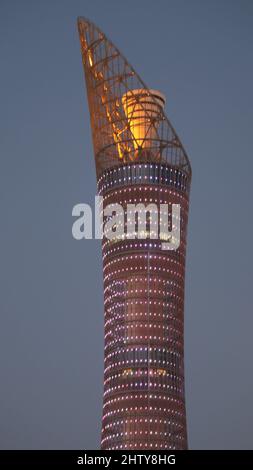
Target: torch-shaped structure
pixel 139 159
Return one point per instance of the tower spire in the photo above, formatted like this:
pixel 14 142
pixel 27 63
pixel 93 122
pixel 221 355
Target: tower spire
pixel 109 80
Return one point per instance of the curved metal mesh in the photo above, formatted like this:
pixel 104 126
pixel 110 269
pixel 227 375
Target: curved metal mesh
pixel 110 79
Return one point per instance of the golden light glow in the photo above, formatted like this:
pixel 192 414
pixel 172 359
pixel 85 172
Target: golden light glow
pixel 127 372
pixel 90 58
pixel 143 110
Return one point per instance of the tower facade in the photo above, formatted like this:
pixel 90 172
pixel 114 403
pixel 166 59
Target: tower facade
pixel 139 160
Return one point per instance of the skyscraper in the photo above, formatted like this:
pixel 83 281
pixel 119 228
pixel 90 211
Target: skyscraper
pixel 139 159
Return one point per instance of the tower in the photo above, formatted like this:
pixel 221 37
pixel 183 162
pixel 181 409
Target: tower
pixel 139 159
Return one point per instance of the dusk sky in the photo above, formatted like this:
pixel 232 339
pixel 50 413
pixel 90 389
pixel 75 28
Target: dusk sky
pixel 199 54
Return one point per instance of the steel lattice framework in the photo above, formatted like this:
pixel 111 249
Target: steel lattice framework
pixel 109 77
pixel 139 159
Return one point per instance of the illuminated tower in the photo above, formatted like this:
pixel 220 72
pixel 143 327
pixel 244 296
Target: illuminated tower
pixel 139 159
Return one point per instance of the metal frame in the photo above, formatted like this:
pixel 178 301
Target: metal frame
pixel 109 76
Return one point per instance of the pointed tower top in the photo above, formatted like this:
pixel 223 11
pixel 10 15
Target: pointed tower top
pixel 127 118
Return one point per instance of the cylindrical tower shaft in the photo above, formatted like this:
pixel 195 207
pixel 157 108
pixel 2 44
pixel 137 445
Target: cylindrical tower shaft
pixel 144 404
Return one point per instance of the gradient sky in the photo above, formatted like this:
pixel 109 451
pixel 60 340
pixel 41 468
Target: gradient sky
pixel 51 301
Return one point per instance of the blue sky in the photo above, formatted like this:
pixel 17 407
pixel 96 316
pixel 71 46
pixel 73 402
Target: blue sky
pixel 199 54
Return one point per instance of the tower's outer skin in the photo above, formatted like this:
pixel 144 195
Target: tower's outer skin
pixel 144 402
pixel 139 159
